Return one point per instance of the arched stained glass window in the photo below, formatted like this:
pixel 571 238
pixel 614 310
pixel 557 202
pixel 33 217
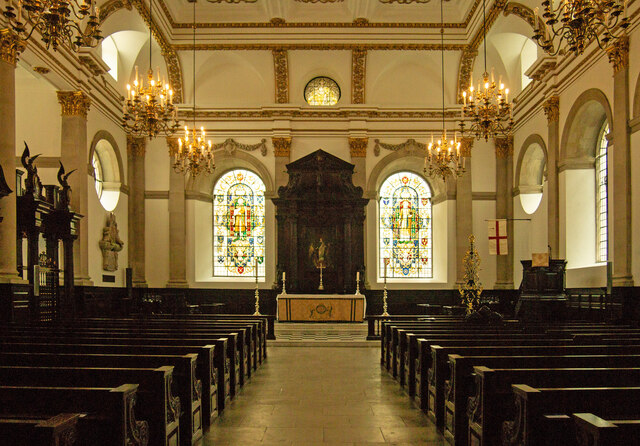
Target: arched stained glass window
pixel 322 91
pixel 238 225
pixel 405 227
pixel 602 194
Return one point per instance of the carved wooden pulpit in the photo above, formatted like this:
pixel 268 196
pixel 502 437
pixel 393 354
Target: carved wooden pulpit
pixel 320 215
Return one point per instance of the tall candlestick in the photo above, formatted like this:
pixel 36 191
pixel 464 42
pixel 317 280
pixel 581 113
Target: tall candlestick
pixel 257 293
pixel 384 294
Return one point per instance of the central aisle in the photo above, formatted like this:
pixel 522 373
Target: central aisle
pixel 322 395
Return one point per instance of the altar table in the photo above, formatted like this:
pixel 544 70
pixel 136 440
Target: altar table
pixel 321 307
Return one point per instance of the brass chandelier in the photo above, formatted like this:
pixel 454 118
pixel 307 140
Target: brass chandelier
pixel 195 153
pixel 148 109
pixel 571 26
pixel 443 158
pixel 487 109
pixel 57 21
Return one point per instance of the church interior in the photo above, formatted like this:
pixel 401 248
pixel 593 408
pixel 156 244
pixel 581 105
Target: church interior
pixel 319 222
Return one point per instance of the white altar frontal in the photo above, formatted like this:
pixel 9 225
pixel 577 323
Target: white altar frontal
pixel 321 307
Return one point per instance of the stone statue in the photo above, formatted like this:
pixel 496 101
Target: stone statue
pixel 110 244
pixel 32 184
pixel 65 192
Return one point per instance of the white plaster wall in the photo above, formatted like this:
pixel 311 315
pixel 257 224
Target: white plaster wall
pixel 335 145
pixel 482 211
pixel 580 218
pixel 157 242
pixel 635 207
pixel 157 165
pixel 483 162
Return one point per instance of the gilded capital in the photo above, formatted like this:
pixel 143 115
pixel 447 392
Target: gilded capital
pixel 281 146
pixel 74 103
pixel 172 144
pixel 10 46
pixel 619 54
pixel 466 144
pixel 136 146
pixel 552 108
pixel 358 147
pixel 504 147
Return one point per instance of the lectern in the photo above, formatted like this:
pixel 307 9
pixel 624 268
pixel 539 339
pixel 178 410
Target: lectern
pixel 542 291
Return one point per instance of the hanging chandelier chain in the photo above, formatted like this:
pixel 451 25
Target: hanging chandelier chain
pixel 484 32
pixel 442 56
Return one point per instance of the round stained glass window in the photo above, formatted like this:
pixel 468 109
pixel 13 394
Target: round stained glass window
pixel 322 91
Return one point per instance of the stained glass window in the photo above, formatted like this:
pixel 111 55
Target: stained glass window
pixel 602 193
pixel 322 91
pixel 238 225
pixel 405 227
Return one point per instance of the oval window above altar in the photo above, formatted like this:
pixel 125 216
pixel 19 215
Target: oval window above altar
pixel 322 90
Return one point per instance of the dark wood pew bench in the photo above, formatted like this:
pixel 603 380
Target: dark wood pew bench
pixel 155 402
pixel 440 370
pixel 596 431
pixel 493 398
pixel 58 430
pixel 211 360
pixel 528 428
pixel 230 365
pixel 461 384
pixel 187 387
pixel 111 417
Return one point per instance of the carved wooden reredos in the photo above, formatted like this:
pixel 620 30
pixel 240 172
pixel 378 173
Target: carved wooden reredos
pixel 320 215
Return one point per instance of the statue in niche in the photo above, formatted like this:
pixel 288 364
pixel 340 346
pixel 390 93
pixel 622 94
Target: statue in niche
pixel 32 184
pixel 111 244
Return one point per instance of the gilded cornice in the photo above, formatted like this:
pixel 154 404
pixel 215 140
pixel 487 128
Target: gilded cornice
pixel 281 146
pixel 619 54
pixel 319 46
pixel 471 50
pixel 315 113
pixel 10 46
pixel 522 11
pixel 358 147
pixel 552 109
pixel 319 1
pixel 504 147
pixel 358 74
pixel 112 6
pixel 136 146
pixel 168 52
pixel 281 69
pixel 357 23
pixel 74 103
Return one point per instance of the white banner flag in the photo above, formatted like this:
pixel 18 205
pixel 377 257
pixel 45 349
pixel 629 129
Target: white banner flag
pixel 498 237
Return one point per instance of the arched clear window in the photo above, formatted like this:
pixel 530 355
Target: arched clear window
pixel 238 225
pixel 405 237
pixel 97 173
pixel 602 194
pixel 106 174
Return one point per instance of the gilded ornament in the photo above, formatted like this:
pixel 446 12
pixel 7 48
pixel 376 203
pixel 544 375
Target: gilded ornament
pixel 41 70
pixel 10 46
pixel 136 146
pixel 281 68
pixel 281 146
pixel 504 147
pixel 319 46
pixel 410 145
pixel 552 108
pixel 112 6
pixel 358 74
pixel 466 144
pixel 619 54
pixel 230 145
pixel 358 147
pixel 471 287
pixel 172 143
pixel 522 11
pixel 74 103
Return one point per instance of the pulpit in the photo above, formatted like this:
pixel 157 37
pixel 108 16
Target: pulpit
pixel 542 291
pixel 320 216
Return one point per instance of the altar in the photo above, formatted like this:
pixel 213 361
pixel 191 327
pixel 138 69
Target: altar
pixel 321 307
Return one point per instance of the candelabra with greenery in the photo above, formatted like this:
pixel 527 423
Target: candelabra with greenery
pixel 471 288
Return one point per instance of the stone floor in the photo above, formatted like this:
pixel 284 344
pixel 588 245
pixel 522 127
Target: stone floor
pixel 322 395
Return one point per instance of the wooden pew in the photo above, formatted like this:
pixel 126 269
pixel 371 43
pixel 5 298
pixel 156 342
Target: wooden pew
pixel 595 431
pixel 155 403
pixel 440 370
pixel 211 360
pixel 111 419
pixel 58 430
pixel 493 397
pixel 533 403
pixel 459 388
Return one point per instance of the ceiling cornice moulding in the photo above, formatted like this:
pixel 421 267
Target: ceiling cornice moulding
pixel 319 46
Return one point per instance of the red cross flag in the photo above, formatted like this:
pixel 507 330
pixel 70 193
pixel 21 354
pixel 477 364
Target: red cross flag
pixel 498 237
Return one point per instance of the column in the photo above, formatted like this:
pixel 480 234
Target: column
pixel 358 151
pixel 282 154
pixel 552 110
pixel 10 48
pixel 464 209
pixel 504 209
pixel 136 180
pixel 620 168
pixel 73 154
pixel 177 226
